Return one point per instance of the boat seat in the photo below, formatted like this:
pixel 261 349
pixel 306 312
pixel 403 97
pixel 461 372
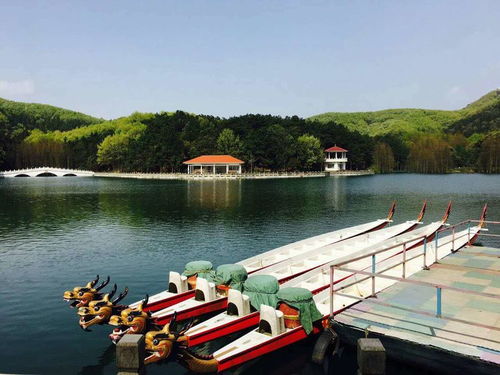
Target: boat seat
pixel 177 283
pixel 205 290
pixel 271 321
pixel 237 303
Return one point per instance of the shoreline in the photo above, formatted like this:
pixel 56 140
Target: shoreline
pixel 243 176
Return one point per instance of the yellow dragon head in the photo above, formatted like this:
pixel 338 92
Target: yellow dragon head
pixel 81 295
pixel 130 320
pixel 160 343
pixel 99 311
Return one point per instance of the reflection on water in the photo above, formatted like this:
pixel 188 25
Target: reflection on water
pixel 335 192
pixel 213 193
pixel 58 233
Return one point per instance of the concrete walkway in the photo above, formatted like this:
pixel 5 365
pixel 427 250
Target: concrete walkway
pixel 477 337
pixel 246 176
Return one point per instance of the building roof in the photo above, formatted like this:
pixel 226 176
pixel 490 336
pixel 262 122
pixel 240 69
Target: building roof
pixel 336 149
pixel 214 159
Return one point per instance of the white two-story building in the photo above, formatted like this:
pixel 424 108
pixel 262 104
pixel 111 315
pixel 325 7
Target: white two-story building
pixel 335 159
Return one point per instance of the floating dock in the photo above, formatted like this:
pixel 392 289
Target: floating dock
pixel 451 326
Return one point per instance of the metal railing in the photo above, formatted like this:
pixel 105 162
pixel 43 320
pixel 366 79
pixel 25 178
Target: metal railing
pixel 340 266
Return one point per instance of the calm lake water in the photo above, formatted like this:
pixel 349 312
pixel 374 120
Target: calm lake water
pixel 57 233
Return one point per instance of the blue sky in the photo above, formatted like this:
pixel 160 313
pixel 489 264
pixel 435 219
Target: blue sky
pixel 110 58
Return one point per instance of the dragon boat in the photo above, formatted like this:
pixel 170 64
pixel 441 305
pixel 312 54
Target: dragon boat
pixel 182 286
pixel 209 297
pixel 243 308
pixel 300 313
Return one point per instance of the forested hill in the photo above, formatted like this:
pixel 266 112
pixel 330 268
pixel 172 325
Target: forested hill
pixel 480 116
pixel 414 140
pixel 18 119
pixel 42 116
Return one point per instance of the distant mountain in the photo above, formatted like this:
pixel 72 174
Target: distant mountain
pixel 480 116
pixel 42 116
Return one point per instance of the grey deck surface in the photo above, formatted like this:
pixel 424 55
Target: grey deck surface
pixel 472 268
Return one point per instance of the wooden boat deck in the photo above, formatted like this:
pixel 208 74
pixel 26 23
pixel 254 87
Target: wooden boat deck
pixel 475 337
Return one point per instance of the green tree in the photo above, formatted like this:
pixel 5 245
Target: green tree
pixel 113 151
pixel 383 158
pixel 309 151
pixel 229 144
pixel 489 156
pixel 429 154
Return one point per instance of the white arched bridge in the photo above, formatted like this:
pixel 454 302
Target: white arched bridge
pixel 46 172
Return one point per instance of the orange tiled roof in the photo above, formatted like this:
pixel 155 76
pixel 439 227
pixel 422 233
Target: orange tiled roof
pixel 214 159
pixel 336 149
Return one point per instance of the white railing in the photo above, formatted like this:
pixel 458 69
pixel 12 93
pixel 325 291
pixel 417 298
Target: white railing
pixel 46 168
pixel 338 160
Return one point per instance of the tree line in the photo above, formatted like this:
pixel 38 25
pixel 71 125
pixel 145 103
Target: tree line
pixel 161 142
pixel 438 153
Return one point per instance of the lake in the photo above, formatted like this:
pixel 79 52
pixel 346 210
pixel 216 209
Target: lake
pixel 57 233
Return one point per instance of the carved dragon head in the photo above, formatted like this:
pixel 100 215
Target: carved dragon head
pixel 160 343
pixel 99 311
pixel 80 296
pixel 130 320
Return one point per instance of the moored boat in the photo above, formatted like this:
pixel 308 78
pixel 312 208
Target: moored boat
pixel 238 316
pixel 207 298
pixel 240 313
pixel 137 317
pixel 179 288
pixel 274 334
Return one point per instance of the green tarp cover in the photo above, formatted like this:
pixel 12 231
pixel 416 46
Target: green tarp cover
pixel 302 300
pixel 262 290
pixel 203 268
pixel 233 275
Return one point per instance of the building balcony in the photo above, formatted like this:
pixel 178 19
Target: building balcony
pixel 338 160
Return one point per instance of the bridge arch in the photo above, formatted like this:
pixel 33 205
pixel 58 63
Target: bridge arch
pixel 46 172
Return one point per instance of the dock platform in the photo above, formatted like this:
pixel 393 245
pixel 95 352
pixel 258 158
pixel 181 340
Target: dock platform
pixel 466 338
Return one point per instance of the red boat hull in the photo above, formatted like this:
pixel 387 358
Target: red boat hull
pixel 276 343
pixel 206 308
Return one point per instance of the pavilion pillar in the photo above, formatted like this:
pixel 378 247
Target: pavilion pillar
pixel 214 168
pixel 227 168
pixel 239 169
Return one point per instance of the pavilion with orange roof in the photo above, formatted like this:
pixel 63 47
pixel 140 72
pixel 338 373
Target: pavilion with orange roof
pixel 214 164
